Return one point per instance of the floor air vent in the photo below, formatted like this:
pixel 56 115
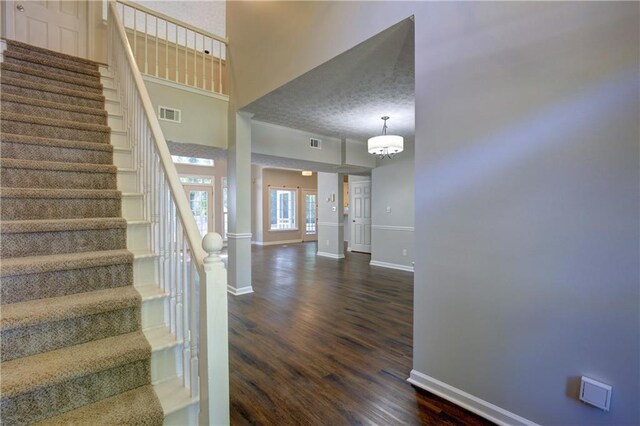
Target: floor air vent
pixel 315 143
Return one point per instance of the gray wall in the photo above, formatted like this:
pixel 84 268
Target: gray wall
pixel 204 118
pixel 392 186
pixel 527 186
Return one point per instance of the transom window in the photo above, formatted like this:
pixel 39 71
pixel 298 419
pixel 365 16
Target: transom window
pixel 194 161
pixel 283 209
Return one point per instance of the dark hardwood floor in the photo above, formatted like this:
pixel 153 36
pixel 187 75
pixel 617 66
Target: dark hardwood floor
pixel 326 342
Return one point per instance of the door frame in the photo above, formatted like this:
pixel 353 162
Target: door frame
pixel 305 236
pixel 352 220
pixel 210 189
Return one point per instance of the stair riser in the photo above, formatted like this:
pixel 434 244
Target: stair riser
pixel 127 181
pixel 123 159
pixel 16 178
pixel 50 81
pixel 48 69
pixel 44 131
pixel 52 400
pixel 116 123
pixel 164 363
pixel 132 207
pixel 48 243
pixel 119 139
pixel 55 153
pixel 144 270
pixel 138 237
pixel 23 288
pixel 26 341
pixel 52 56
pixel 58 208
pixel 113 107
pixel 51 96
pixel 153 312
pixel 58 114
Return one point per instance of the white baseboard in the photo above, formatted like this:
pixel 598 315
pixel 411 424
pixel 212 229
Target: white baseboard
pixel 391 265
pixel 498 415
pixel 330 255
pixel 275 243
pixel 240 291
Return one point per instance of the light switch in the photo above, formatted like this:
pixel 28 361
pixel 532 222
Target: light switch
pixel 595 393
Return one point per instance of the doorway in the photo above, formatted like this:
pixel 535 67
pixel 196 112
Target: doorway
pixel 201 202
pixel 360 215
pixel 310 199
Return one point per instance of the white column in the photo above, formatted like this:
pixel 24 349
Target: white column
pixel 239 235
pixel 330 215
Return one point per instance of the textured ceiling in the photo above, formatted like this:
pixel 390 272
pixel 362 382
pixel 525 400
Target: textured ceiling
pixel 346 96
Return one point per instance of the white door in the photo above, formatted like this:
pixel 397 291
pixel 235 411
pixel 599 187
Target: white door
pixel 201 202
pixel 360 212
pixel 59 25
pixel 310 230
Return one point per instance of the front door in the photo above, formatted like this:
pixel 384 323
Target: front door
pixel 59 25
pixel 201 202
pixel 310 231
pixel 360 212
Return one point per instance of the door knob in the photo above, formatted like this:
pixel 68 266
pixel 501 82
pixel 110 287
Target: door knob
pixel 353 220
pixel 20 8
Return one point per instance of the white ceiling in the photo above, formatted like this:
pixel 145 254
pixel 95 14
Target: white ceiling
pixel 346 96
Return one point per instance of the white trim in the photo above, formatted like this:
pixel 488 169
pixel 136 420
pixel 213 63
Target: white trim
pixel 391 265
pixel 275 243
pixel 3 47
pixel 240 291
pixel 181 86
pixel 239 236
pixel 472 403
pixel 332 224
pixel 330 255
pixel 393 228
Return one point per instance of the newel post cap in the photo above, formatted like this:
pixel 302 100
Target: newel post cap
pixel 212 243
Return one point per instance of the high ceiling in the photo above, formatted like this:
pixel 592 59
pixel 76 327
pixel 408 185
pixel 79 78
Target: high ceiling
pixel 346 96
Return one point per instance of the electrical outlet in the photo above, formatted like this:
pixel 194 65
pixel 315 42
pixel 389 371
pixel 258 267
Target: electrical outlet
pixel 404 252
pixel 327 243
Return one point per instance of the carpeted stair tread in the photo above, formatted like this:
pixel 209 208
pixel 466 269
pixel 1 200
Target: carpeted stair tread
pixel 43 51
pixel 139 406
pixel 51 63
pixel 60 308
pixel 13 163
pixel 52 78
pixel 9 97
pixel 57 225
pixel 61 143
pixel 61 262
pixel 26 84
pixel 33 119
pixel 58 193
pixel 26 374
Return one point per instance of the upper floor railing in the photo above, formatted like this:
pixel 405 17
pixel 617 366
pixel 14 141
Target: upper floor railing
pixel 172 50
pixel 195 282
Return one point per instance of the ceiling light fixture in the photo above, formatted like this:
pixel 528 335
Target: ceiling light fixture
pixel 307 173
pixel 385 145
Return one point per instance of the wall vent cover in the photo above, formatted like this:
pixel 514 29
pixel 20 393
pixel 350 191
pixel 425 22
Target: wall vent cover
pixel 169 114
pixel 315 143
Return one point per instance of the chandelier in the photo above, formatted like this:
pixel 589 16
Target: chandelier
pixel 385 145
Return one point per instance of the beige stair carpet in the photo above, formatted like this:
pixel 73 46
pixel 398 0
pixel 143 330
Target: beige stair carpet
pixel 72 350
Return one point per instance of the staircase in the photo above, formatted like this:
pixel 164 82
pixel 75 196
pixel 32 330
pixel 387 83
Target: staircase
pixel 83 325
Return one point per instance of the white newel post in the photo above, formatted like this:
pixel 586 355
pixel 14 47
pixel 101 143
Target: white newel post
pixel 214 343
